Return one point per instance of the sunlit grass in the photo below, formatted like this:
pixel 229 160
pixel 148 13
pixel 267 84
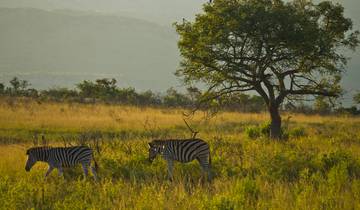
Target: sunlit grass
pixel 78 117
pixel 318 170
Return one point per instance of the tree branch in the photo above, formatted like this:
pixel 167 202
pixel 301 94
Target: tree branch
pixel 194 133
pixel 312 92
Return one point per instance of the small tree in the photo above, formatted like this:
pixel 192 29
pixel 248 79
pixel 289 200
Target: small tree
pixel 127 96
pixel 149 98
pixel 2 88
pixel 356 98
pixel 15 85
pixel 58 94
pixel 87 89
pixel 104 89
pixel 18 87
pixel 321 105
pixel 281 50
pixel 193 93
pixel 175 99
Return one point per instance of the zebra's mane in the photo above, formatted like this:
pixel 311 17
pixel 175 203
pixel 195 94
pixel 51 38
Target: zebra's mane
pixel 156 142
pixel 37 148
pixel 163 141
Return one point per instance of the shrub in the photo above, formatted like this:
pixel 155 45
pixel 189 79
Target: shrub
pixel 285 165
pixel 255 132
pixel 252 132
pixel 222 203
pixel 263 130
pixel 296 132
pixel 334 159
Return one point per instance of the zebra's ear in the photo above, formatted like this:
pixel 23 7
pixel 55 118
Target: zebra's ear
pixel 151 144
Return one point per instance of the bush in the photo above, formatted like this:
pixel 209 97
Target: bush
pixel 252 132
pixel 263 130
pixel 243 193
pixel 222 203
pixel 286 165
pixel 255 132
pixel 296 132
pixel 334 159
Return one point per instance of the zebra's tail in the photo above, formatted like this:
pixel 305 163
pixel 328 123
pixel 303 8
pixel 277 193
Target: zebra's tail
pixel 209 169
pixel 209 159
pixel 96 165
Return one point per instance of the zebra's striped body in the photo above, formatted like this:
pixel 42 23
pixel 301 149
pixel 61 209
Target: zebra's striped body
pixel 59 157
pixel 183 151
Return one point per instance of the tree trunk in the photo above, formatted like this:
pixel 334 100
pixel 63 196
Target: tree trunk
pixel 275 126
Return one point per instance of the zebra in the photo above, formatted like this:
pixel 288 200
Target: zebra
pixel 59 157
pixel 184 151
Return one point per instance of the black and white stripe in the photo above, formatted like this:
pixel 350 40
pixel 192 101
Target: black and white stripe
pixel 59 157
pixel 183 151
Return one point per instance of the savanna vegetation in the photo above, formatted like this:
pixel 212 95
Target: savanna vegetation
pixel 283 51
pixel 316 167
pixel 107 91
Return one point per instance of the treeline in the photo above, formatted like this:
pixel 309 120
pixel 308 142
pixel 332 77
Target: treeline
pixel 107 91
pixel 323 106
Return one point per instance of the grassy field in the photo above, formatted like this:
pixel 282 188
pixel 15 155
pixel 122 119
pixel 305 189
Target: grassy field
pixel 318 167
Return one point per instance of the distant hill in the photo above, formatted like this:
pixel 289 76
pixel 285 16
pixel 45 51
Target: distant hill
pixel 164 12
pixel 64 46
pixel 57 44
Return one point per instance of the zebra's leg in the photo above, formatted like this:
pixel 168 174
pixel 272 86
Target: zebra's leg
pixel 94 168
pixel 85 167
pixel 209 173
pixel 205 166
pixel 170 164
pixel 94 173
pixel 49 171
pixel 208 167
pixel 60 170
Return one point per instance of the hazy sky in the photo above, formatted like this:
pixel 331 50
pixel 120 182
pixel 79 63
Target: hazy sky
pixel 162 11
pixel 166 12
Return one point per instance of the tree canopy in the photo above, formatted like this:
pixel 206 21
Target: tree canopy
pixel 281 50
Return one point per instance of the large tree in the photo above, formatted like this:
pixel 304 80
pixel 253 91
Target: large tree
pixel 281 50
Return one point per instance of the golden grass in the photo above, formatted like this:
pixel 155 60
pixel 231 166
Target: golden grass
pixel 320 170
pixel 107 117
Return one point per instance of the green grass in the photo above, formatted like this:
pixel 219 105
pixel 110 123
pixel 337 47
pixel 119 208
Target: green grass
pixel 318 167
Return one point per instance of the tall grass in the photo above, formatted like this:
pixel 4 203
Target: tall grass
pixel 319 169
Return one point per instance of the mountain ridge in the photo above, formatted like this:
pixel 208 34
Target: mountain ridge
pixel 37 41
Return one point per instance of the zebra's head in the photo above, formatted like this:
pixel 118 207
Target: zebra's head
pixel 155 148
pixel 36 154
pixel 31 159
